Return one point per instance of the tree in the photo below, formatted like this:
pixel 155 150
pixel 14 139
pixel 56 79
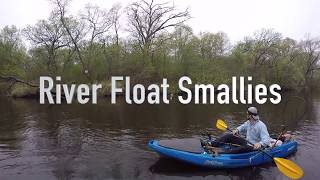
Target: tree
pixel 10 36
pixel 180 40
pixel 12 52
pixel 88 35
pixel 311 57
pixel 115 16
pixel 97 21
pixel 265 46
pixel 147 19
pixel 74 31
pixel 49 35
pixel 213 45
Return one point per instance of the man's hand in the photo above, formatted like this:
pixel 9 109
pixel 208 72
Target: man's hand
pixel 235 131
pixel 257 146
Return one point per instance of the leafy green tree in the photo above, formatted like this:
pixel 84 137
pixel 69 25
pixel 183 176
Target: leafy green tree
pixel 213 45
pixel 13 57
pixel 310 58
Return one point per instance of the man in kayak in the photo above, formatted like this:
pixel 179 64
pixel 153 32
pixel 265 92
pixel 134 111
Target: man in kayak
pixel 256 133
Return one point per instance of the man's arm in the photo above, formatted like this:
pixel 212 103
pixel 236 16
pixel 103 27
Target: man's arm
pixel 243 127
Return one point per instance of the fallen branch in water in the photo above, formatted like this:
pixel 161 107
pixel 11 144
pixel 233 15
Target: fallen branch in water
pixel 14 80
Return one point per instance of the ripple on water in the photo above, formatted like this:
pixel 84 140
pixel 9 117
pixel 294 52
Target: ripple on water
pixel 76 142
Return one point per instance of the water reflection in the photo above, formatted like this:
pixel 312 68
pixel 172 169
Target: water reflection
pixel 107 141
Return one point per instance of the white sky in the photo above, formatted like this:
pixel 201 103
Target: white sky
pixel 237 18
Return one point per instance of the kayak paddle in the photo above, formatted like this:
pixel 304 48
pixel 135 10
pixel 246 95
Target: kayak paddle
pixel 287 167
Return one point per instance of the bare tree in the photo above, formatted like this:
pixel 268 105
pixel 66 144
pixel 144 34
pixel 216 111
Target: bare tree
pixel 147 19
pixel 74 30
pixel 97 20
pixel 48 34
pixel 115 15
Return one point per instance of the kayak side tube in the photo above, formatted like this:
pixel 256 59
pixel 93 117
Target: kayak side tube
pixel 224 160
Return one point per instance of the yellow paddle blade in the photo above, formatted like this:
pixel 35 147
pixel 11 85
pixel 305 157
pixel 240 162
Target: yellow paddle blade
pixel 288 168
pixel 221 125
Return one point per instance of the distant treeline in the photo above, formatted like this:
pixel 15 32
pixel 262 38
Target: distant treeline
pixel 90 47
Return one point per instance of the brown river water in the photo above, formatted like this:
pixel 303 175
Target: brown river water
pixel 106 141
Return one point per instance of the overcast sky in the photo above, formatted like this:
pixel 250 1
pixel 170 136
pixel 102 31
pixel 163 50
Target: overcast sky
pixel 237 18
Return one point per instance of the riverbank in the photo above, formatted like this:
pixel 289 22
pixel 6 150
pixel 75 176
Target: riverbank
pixel 23 89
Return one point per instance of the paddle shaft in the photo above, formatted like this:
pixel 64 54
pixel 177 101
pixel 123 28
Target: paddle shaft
pixel 230 144
pixel 282 132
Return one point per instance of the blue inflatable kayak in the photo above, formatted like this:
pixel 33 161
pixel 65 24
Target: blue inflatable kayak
pixel 191 151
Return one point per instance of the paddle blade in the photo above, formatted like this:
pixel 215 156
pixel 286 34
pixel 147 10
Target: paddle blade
pixel 221 125
pixel 288 168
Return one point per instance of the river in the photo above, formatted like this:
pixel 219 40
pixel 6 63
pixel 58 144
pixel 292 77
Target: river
pixel 106 141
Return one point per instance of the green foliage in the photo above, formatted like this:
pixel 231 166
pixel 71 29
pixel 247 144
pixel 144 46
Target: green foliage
pixel 62 46
pixel 13 56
